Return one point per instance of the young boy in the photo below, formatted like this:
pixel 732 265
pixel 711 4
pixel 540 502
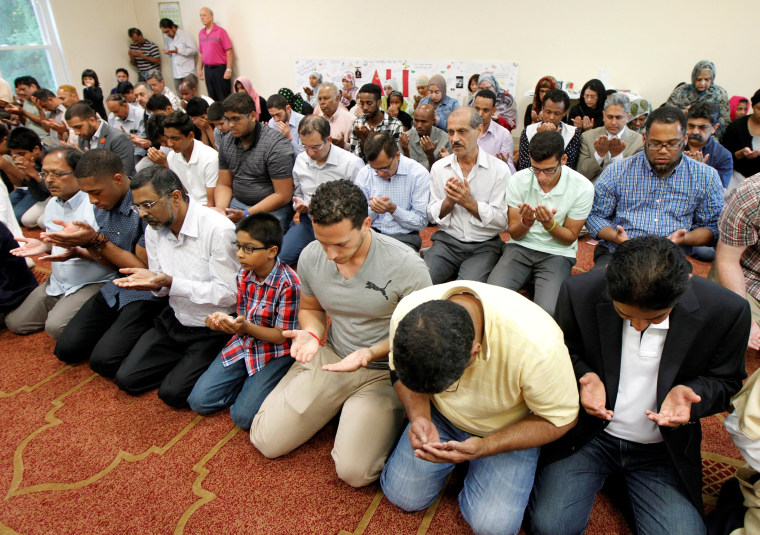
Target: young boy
pixel 257 356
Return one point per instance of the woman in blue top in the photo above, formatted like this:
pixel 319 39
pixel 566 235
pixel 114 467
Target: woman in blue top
pixel 437 97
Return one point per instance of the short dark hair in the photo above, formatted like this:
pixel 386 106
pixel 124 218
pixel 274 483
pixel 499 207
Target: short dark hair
pixel 179 120
pixel 277 101
pixel 196 107
pixel 163 180
pixel 43 94
pixel 99 163
pixel 666 115
pixel 81 109
pixel 215 112
pixel 21 138
pixel 337 200
pixel 545 145
pixel 3 132
pixel 154 127
pixel 377 143
pixel 704 110
pixel 26 80
pixel 263 227
pixel 71 156
pixel 372 89
pixel 755 98
pixel 486 93
pixel 158 102
pixel 557 95
pixel 649 272
pixel 121 69
pixel 134 31
pixel 432 346
pixel 91 74
pixel 166 23
pixel 314 123
pixel 125 87
pixel 239 103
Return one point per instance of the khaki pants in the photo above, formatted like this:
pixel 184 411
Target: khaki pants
pixel 307 398
pixel 754 305
pixel 751 494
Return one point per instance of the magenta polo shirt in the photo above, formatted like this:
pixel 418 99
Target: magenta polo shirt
pixel 213 45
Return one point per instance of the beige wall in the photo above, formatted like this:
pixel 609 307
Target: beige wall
pixel 649 45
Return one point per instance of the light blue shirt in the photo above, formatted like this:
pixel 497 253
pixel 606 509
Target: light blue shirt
pixel 409 189
pixel 293 122
pixel 69 276
pixel 443 110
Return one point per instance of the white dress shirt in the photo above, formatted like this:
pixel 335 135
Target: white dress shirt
pixel 202 261
pixel 183 62
pixel 488 185
pixel 307 175
pixel 199 173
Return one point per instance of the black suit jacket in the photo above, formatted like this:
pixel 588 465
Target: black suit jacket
pixel 704 349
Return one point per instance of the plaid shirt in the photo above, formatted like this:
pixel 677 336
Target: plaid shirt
pixel 630 194
pixel 740 227
pixel 389 124
pixel 273 302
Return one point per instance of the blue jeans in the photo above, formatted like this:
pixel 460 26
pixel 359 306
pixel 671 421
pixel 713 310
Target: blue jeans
pixel 221 386
pixel 21 200
pixel 496 489
pixel 283 213
pixel 296 238
pixel 564 491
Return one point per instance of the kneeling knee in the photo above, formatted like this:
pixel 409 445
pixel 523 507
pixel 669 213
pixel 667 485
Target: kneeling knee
pixel 241 418
pixel 172 398
pixel 354 475
pixel 267 447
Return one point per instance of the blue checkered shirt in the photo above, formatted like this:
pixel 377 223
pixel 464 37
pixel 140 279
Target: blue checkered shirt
pixel 630 194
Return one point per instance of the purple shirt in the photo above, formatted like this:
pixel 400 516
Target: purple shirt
pixel 213 45
pixel 498 140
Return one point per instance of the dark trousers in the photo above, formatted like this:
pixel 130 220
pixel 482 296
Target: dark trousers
pixel 171 357
pixel 218 87
pixel 104 334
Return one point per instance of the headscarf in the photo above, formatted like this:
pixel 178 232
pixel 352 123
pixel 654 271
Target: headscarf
pixel 733 103
pixel 295 101
pixel 422 80
pixel 597 114
pixel 353 91
pixel 699 68
pixel 687 95
pixel 639 106
pixel 440 82
pixel 391 82
pixel 537 104
pixel 490 78
pixel 318 76
pixel 248 86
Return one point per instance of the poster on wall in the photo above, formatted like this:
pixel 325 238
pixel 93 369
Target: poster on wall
pixel 405 72
pixel 170 10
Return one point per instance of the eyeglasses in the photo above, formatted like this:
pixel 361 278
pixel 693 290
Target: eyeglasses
pixel 313 147
pixel 247 248
pixel 143 206
pixel 547 172
pixel 671 146
pixel 235 119
pixel 53 174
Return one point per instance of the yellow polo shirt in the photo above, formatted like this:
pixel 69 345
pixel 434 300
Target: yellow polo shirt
pixel 523 368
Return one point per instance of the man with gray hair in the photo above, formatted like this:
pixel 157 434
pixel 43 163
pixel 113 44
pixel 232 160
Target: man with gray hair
pixel 611 142
pixel 156 82
pixel 468 203
pixel 340 119
pixel 188 88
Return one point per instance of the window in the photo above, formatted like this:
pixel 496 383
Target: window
pixel 29 43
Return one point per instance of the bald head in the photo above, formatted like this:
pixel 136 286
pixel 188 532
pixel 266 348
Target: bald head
pixel 424 119
pixel 467 114
pixel 207 17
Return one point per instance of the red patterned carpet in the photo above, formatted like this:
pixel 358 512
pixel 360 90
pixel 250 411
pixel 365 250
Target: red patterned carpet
pixel 79 456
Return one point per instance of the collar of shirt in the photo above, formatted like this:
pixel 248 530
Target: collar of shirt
pixel 249 277
pixel 256 135
pixel 189 225
pixel 619 135
pixel 482 161
pixel 99 132
pixel 75 201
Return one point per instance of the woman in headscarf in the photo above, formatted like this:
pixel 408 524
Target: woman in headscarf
pixel 244 85
pixel 472 88
pixel 348 94
pixel 315 80
pixel 438 98
pixel 533 111
pixel 589 112
pixel 738 107
pixel 505 103
pixel 297 103
pixel 422 90
pixel 703 89
pixel 640 108
pixel 742 138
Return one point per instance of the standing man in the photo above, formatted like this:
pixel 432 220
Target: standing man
pixel 654 351
pixel 425 142
pixel 341 120
pixel 94 133
pixel 484 377
pixel 496 140
pixel 143 54
pixel 373 119
pixel 468 203
pixel 180 47
pixel 215 57
pixel 357 276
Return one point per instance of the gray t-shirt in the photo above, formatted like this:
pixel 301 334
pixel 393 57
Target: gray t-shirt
pixel 360 308
pixel 415 151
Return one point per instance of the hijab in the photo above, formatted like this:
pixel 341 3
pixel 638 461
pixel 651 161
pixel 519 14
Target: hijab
pixel 295 101
pixel 639 106
pixel 733 103
pixel 699 68
pixel 422 80
pixel 248 86
pixel 491 79
pixel 440 82
pixel 391 82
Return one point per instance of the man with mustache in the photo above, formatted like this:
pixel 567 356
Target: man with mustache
pixel 702 121
pixel 657 192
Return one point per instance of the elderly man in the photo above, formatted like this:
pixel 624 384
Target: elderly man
pixel 180 47
pixel 143 54
pixel 496 140
pixel 468 203
pixel 215 56
pixel 609 143
pixel 555 106
pixel 702 121
pixel 157 85
pixel 425 142
pixel 656 192
pixel 188 88
pixel 129 118
pixel 285 120
pixel 373 119
pixel 397 190
pixel 320 162
pixel 340 119
pixel 485 378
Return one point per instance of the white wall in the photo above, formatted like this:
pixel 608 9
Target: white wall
pixel 649 45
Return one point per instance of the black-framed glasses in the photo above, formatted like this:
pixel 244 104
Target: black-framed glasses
pixel 144 206
pixel 53 174
pixel 247 247
pixel 547 172
pixel 671 146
